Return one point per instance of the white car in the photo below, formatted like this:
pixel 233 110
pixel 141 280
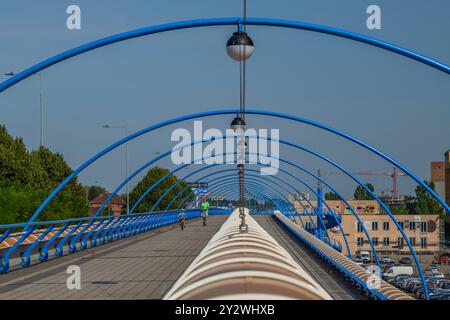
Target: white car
pixel 397 270
pixel 359 262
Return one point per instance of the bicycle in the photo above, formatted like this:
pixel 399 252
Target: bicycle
pixel 182 224
pixel 204 214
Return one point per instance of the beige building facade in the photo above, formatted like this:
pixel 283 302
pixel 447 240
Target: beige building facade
pixel 421 230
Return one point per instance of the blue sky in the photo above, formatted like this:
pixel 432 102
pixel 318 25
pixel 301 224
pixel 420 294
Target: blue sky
pixel 396 104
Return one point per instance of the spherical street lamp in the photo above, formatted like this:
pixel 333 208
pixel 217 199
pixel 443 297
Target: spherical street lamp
pixel 238 123
pixel 240 46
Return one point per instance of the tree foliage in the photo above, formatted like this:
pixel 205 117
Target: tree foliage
pixel 94 191
pixel 153 175
pixel 426 203
pixel 27 178
pixel 331 196
pixel 362 194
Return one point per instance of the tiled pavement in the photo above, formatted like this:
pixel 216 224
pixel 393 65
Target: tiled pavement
pixel 143 267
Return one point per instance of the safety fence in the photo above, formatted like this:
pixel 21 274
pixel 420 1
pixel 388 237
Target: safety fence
pixel 368 281
pixel 39 238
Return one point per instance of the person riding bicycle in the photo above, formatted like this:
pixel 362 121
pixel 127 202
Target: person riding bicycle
pixel 182 218
pixel 205 207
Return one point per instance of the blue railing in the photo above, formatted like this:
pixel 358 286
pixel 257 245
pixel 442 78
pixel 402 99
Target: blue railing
pixel 39 238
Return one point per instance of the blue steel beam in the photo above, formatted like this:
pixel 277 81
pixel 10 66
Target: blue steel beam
pixel 227 188
pixel 252 177
pixel 275 115
pixel 263 191
pixel 221 22
pixel 319 217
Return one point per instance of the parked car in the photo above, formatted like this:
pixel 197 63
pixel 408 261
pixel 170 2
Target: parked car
pixel 443 295
pixel 385 259
pixel 365 256
pixel 359 262
pixel 433 282
pixel 404 283
pixel 431 292
pixel 405 260
pixel 392 280
pixel 412 283
pixel 399 279
pixel 392 263
pixel 436 274
pixel 444 284
pixel 397 270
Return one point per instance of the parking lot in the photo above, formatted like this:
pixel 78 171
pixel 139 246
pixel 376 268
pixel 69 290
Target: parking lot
pixel 403 275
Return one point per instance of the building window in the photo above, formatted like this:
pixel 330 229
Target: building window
pixel 423 242
pixel 412 225
pixel 401 224
pixel 386 242
pixel 308 225
pixel 375 241
pixel 359 227
pixel 423 226
pixel 360 241
pixel 412 240
pixel 386 225
pixel 400 242
pixel 374 225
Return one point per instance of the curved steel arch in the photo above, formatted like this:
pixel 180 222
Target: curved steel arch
pixel 257 112
pixel 221 22
pixel 344 238
pixel 263 192
pixel 319 217
pixel 262 188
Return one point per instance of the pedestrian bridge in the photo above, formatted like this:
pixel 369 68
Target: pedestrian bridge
pixel 145 255
pixel 275 259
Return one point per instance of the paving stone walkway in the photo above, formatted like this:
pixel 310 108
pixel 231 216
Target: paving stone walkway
pixel 142 267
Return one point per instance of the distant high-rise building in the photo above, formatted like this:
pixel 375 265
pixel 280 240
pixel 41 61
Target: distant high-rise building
pixel 438 177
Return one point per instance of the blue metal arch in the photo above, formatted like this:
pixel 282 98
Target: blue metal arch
pixel 258 112
pixel 227 184
pixel 319 218
pixel 227 180
pixel 222 112
pixel 260 188
pixel 221 22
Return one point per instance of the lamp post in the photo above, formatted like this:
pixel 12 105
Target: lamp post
pixel 41 106
pixel 106 126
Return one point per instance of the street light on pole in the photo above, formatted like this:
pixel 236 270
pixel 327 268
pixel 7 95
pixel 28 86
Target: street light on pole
pixel 106 126
pixel 41 106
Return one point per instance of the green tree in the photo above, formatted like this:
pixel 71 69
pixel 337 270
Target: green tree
pixel 27 178
pixel 331 196
pixel 17 168
pixel 426 203
pixel 94 191
pixel 362 194
pixel 152 176
pixel 400 209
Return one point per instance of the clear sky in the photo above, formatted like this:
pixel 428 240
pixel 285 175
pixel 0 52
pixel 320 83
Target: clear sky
pixel 398 105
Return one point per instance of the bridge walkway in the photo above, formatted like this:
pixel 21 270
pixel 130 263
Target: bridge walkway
pixel 141 267
pixel 330 279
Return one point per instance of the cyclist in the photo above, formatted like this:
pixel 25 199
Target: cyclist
pixel 204 206
pixel 182 219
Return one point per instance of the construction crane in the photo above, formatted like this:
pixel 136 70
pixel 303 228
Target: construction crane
pixel 394 174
